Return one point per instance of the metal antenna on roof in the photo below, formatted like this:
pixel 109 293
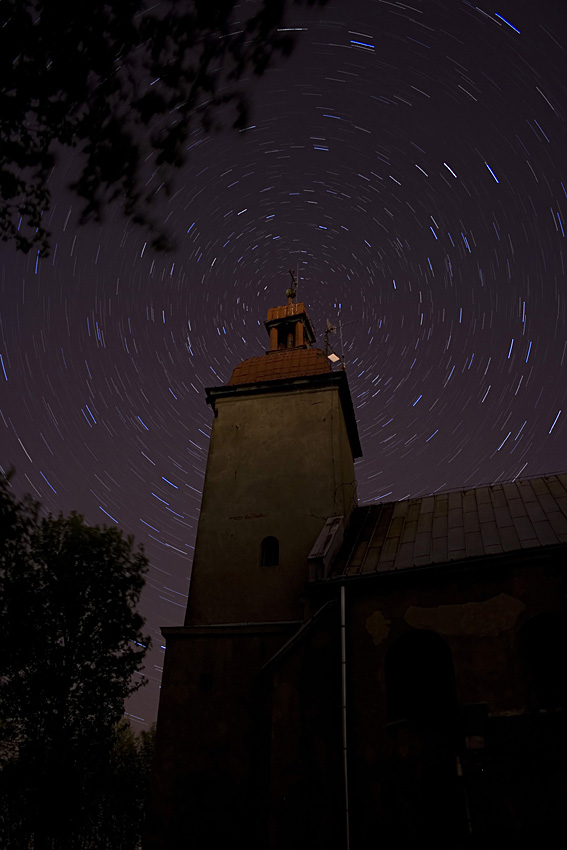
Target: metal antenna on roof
pixel 332 329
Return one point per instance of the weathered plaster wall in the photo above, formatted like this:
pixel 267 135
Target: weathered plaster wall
pixel 279 464
pixel 306 803
pixel 203 794
pixel 478 613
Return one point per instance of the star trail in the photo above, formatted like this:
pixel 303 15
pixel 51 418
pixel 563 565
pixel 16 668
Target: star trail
pixel 410 161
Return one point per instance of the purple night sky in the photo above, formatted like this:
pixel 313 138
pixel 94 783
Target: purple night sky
pixel 411 158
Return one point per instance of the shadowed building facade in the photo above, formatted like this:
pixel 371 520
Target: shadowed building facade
pixel 352 674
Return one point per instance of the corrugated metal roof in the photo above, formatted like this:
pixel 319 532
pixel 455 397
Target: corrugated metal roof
pixel 453 526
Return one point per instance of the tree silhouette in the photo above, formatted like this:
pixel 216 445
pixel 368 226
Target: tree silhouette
pixel 70 642
pixel 119 821
pixel 125 82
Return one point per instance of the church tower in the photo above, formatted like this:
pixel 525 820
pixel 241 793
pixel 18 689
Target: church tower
pixel 280 463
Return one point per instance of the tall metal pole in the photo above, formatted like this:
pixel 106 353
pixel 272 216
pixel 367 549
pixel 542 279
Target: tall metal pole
pixel 344 713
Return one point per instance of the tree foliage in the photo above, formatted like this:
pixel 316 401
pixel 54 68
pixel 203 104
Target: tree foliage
pixel 125 81
pixel 119 819
pixel 70 642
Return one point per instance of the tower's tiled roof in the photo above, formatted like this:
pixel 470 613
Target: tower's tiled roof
pixel 453 526
pixel 287 363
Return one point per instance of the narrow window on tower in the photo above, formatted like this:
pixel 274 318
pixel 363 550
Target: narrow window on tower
pixel 270 552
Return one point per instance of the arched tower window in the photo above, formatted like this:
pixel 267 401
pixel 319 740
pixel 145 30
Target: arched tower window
pixel 270 552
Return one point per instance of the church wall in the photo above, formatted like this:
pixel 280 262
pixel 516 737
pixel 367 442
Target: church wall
pixel 478 613
pixel 268 474
pixel 203 772
pixel 306 802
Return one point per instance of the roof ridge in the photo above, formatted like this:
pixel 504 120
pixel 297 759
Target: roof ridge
pixel 433 493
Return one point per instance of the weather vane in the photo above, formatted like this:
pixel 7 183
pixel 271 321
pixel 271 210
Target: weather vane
pixel 292 291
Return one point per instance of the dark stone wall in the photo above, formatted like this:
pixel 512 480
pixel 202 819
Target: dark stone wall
pixel 306 805
pixel 204 776
pixel 481 749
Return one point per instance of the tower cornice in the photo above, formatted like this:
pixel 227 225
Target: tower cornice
pixel 295 385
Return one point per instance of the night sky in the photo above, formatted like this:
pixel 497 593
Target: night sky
pixel 411 158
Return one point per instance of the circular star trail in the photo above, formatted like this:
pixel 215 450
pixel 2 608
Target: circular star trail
pixel 409 161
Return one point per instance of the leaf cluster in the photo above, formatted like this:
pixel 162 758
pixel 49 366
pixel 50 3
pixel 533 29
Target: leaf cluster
pixel 126 82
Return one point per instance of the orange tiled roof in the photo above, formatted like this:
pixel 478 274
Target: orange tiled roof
pixel 483 521
pixel 287 363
